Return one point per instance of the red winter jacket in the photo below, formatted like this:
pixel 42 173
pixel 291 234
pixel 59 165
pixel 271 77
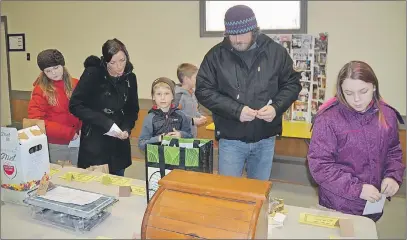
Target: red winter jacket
pixel 60 124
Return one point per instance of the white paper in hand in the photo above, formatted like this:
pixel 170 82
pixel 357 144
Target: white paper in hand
pixel 376 207
pixel 114 130
pixel 75 143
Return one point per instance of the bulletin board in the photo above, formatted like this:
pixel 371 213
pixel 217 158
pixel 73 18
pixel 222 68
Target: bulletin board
pixel 309 54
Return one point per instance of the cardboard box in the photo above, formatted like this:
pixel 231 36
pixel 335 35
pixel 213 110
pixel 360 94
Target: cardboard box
pixel 29 122
pixel 24 161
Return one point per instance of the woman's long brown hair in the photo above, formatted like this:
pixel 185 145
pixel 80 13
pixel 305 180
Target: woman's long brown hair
pixel 361 71
pixel 49 89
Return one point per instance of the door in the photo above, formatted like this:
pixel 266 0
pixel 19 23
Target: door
pixel 5 99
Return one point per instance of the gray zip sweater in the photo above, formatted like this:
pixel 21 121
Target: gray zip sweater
pixel 188 105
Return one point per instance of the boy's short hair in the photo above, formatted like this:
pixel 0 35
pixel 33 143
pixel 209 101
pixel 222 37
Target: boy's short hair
pixel 186 70
pixel 163 82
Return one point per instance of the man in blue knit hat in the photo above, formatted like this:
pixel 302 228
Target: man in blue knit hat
pixel 247 81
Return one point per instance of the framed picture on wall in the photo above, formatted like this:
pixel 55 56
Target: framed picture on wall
pixel 16 42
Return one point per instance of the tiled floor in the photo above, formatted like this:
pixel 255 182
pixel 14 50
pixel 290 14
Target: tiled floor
pixel 391 226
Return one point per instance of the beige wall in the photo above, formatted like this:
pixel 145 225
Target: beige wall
pixel 5 118
pixel 160 35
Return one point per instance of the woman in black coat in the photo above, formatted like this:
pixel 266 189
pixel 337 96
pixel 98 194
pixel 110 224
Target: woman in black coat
pixel 106 100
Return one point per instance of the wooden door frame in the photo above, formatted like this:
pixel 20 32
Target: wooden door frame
pixel 4 21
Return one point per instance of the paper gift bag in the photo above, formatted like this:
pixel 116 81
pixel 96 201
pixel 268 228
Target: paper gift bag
pixel 24 159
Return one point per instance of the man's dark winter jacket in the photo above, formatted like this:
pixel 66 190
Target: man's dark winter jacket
pixel 226 83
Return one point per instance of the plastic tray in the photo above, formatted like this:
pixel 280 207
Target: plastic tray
pixel 82 211
pixel 66 221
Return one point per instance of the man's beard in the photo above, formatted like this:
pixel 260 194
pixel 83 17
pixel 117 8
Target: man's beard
pixel 241 47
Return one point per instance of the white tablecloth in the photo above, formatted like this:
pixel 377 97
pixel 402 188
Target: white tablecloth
pixel 127 216
pixel 364 228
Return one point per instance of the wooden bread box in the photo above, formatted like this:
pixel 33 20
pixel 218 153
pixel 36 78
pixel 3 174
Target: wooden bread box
pixel 190 205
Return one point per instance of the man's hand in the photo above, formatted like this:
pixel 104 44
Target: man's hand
pixel 389 187
pixel 175 133
pixel 199 121
pixel 247 114
pixel 267 113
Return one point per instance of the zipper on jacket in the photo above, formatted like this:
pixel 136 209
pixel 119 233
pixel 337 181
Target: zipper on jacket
pixel 256 58
pixel 167 123
pixel 237 83
pixel 240 63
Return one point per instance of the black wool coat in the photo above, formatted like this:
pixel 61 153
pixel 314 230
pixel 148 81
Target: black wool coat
pixel 100 100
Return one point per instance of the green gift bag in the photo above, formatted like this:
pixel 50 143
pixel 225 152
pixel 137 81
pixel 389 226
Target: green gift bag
pixel 176 153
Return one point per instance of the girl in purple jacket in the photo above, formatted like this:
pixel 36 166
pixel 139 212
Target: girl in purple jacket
pixel 355 153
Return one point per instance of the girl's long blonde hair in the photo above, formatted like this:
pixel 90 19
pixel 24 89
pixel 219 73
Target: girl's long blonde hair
pixel 48 87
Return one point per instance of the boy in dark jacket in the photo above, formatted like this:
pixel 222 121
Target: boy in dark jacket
pixel 164 119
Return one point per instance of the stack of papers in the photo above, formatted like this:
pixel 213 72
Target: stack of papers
pixel 69 195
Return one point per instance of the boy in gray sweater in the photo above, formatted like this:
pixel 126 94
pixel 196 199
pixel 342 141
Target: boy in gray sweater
pixel 163 119
pixel 185 98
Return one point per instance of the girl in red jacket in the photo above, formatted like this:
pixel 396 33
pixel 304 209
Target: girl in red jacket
pixel 49 102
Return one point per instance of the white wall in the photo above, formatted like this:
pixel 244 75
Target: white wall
pixel 160 35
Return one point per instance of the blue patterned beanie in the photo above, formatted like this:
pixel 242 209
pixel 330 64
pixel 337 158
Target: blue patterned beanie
pixel 239 19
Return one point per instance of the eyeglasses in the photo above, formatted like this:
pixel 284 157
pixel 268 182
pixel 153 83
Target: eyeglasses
pixel 48 71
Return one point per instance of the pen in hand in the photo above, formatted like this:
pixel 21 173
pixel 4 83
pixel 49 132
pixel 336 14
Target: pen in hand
pixel 388 198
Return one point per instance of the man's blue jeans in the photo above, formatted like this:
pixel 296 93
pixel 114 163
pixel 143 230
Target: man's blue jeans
pixel 258 156
pixel 119 173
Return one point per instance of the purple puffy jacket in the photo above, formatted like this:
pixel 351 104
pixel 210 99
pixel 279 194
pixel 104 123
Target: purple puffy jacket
pixel 349 149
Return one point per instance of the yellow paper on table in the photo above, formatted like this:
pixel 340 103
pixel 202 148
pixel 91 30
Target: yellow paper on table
pixel 319 220
pixel 78 177
pixel 53 171
pixel 138 190
pixel 106 180
pixel 118 181
pixel 101 237
pixel 211 126
pixel 67 176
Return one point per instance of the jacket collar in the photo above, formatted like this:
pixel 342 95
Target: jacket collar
pixel 127 70
pixel 332 102
pixel 260 43
pixel 373 108
pixel 158 111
